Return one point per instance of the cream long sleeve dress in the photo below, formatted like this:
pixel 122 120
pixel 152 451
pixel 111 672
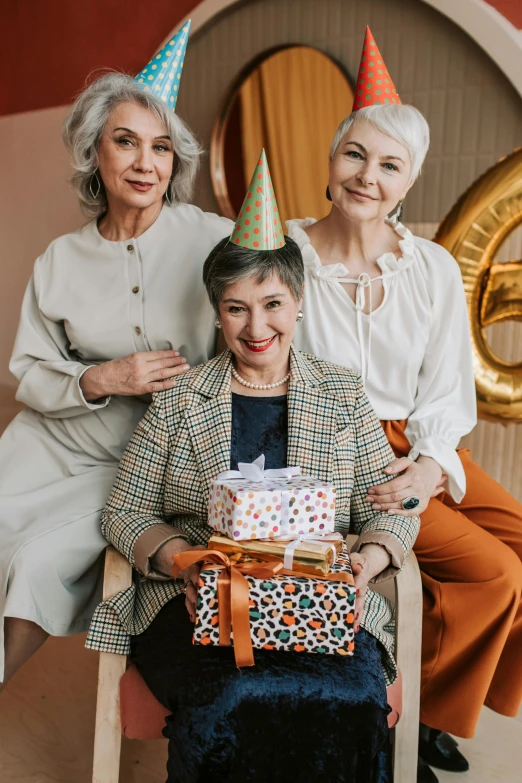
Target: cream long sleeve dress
pixel 89 300
pixel 413 351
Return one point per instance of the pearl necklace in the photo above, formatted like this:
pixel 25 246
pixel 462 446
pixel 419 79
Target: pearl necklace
pixel 259 386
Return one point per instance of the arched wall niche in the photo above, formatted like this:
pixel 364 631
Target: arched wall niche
pixel 475 114
pixel 493 24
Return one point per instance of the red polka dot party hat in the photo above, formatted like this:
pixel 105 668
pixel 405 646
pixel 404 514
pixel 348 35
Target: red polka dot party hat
pixel 258 225
pixel 374 84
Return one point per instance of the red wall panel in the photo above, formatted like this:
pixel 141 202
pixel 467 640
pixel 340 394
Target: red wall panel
pixel 49 47
pixel 511 9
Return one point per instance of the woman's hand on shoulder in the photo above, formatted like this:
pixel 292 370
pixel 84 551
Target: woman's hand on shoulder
pixel 422 479
pixel 143 372
pixel 366 564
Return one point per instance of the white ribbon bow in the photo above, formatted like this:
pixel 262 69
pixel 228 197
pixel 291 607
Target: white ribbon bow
pixel 255 471
pixel 340 273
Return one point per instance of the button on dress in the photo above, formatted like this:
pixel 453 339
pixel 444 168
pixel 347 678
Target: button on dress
pixel 89 301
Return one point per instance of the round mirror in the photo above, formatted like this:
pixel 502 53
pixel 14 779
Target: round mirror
pixel 290 102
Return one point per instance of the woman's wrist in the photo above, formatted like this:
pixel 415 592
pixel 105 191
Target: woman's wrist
pixel 91 385
pixel 429 462
pixel 377 557
pixel 432 466
pixel 162 560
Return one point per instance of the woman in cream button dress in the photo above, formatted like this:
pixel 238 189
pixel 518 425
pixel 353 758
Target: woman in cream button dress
pixel 113 312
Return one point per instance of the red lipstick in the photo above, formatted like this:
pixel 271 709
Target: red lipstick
pixel 259 346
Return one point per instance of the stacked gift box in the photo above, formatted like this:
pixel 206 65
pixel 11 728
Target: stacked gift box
pixel 276 575
pixel 312 557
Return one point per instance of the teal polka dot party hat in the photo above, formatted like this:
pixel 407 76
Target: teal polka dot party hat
pixel 258 225
pixel 162 75
pixel 374 84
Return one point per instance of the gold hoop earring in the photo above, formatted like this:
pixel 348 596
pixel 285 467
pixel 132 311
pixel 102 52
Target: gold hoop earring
pixel 300 316
pixel 95 179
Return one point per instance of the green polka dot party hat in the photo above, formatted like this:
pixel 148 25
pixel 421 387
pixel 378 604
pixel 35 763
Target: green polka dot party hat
pixel 162 75
pixel 258 225
pixel 374 84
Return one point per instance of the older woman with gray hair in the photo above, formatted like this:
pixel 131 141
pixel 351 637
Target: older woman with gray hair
pixel 391 306
pixel 293 715
pixel 113 312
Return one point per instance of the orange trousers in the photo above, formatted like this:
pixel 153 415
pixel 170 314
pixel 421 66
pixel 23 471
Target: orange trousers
pixel 470 557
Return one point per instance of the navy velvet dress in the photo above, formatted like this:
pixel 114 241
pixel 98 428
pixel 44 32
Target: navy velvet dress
pixel 291 716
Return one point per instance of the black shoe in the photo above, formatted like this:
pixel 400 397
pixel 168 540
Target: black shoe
pixel 424 773
pixel 440 750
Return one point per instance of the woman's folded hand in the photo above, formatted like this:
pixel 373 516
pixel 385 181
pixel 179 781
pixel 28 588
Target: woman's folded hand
pixel 143 372
pixel 190 577
pixel 366 564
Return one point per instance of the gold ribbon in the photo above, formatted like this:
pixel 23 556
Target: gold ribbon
pixel 233 592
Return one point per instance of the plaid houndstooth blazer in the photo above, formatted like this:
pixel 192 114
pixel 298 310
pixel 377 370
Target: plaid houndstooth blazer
pixel 183 442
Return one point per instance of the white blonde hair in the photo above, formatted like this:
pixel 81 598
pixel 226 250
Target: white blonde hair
pixel 84 125
pixel 401 122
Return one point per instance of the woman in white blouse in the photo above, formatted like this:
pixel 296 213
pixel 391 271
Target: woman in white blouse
pixel 113 312
pixel 392 306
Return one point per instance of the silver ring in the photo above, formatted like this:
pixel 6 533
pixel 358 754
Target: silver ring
pixel 409 503
pixel 190 582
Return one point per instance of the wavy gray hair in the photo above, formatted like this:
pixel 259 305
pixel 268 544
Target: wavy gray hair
pixel 84 125
pixel 403 123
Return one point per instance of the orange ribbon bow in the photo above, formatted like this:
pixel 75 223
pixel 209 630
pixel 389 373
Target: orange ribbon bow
pixel 233 593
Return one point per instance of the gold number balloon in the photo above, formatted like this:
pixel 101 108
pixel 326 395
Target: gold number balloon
pixel 473 231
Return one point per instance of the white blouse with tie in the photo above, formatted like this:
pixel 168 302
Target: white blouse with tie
pixel 413 351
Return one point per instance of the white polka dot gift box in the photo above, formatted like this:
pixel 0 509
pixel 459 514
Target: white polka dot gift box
pixel 255 503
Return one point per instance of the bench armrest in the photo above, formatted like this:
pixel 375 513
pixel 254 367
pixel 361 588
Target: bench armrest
pixel 107 732
pixel 118 573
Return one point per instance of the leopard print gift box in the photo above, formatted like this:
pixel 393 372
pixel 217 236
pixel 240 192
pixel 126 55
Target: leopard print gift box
pixel 287 612
pixel 275 507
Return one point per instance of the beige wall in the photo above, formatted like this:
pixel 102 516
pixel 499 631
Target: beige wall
pixel 36 205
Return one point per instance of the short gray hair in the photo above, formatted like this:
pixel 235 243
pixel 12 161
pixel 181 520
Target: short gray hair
pixel 84 125
pixel 401 122
pixel 229 263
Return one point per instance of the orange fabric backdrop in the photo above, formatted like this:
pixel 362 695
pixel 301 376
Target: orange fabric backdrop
pixel 291 105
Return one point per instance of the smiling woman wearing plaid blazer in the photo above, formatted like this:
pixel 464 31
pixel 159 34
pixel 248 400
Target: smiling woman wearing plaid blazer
pixel 328 713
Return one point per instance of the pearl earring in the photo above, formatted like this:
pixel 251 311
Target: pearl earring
pixel 218 324
pixel 300 316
